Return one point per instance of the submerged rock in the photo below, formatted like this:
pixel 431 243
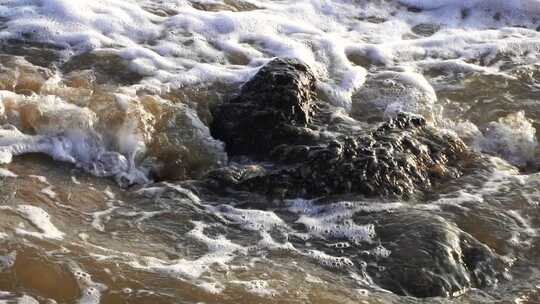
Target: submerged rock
pixel 277 118
pixel 386 94
pixel 429 257
pixel 108 66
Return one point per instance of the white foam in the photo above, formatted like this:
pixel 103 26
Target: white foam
pixel 527 232
pixel 455 66
pixel 268 242
pixel 90 295
pixel 254 220
pixel 263 222
pixel 181 190
pixel 41 220
pixel 7 173
pixel 334 221
pixel 68 136
pixel 258 287
pixel 99 218
pixel 503 177
pixel 280 30
pixel 211 287
pixel 228 46
pixel 512 138
pixel 220 252
pixel 82 25
pixel 110 195
pixel 40 178
pixel 75 180
pixel 380 251
pixel 48 191
pixel 26 299
pixel 458 198
pixel 329 260
pixel 90 291
pixel 75 148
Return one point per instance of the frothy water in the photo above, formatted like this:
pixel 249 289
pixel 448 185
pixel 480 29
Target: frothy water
pixel 105 113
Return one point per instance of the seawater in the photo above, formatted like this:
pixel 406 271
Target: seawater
pixel 104 107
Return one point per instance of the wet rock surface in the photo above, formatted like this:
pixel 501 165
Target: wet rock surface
pixel 273 108
pixel 107 66
pixel 428 256
pixel 276 118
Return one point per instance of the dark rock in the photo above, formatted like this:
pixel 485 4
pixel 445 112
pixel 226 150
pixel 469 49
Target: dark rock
pixel 276 118
pixel 399 158
pixel 430 257
pixel 273 108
